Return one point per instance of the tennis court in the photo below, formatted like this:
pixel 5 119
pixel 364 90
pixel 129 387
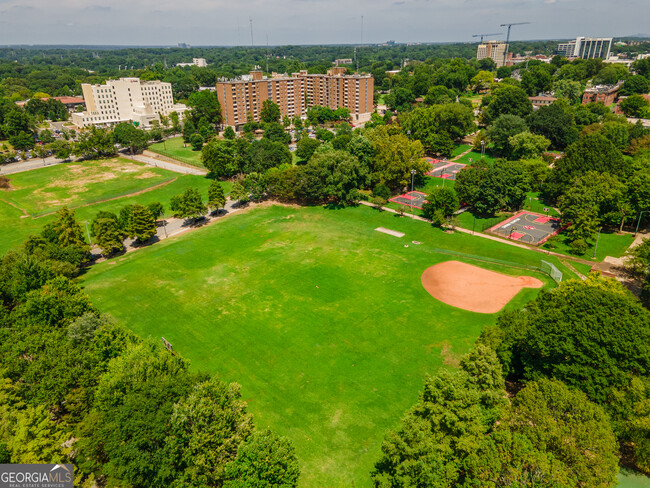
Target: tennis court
pixel 528 227
pixel 445 169
pixel 413 199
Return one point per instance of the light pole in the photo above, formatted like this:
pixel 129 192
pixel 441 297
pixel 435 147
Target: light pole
pixel 597 239
pixel 482 148
pixel 639 221
pixel 413 172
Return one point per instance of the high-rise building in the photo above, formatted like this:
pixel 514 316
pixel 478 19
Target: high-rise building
pixel 295 94
pixel 199 62
pixel 586 48
pixel 493 50
pixel 126 100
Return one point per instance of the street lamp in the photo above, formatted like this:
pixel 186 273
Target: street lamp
pixel 482 148
pixel 639 221
pixel 413 173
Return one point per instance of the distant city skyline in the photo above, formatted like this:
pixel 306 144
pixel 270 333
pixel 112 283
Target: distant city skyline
pixel 220 22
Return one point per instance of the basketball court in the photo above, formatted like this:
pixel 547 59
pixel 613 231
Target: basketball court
pixel 528 227
pixel 413 199
pixel 445 169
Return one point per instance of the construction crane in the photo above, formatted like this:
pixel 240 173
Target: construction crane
pixel 483 35
pixel 505 51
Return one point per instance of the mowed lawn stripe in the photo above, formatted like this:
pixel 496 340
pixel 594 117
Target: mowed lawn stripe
pixel 322 320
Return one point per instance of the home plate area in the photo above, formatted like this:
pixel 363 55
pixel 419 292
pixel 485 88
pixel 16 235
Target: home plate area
pixel 528 227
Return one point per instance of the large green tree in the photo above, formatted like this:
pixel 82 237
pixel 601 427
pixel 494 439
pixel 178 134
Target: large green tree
pixel 507 99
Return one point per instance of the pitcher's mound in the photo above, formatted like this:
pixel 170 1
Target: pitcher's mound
pixel 472 288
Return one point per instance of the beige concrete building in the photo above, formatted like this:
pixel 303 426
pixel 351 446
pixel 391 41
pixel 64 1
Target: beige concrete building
pixel 126 100
pixel 295 94
pixel 493 50
pixel 199 62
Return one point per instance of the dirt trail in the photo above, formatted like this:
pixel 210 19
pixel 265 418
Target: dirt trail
pixel 25 213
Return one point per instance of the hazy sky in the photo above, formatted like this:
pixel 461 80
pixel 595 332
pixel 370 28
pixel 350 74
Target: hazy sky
pixel 226 22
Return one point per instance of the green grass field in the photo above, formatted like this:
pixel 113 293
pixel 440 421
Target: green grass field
pixel 460 149
pixel 609 244
pixel 173 148
pixel 323 320
pixel 79 186
pixel 475 157
pixel 630 479
pixel 71 185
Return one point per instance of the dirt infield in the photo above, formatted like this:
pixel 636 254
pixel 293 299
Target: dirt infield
pixel 472 288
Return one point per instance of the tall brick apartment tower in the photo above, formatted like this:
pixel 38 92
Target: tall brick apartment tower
pixel 295 94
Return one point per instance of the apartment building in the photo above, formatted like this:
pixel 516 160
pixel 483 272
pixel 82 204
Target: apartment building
pixel 295 94
pixel 126 100
pixel 586 48
pixel 494 50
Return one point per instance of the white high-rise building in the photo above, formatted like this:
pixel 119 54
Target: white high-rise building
pixel 126 100
pixel 586 48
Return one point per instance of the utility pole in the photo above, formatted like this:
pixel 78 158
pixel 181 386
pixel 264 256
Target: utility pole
pixel 250 19
pixel 362 30
pixel 505 51
pixel 267 53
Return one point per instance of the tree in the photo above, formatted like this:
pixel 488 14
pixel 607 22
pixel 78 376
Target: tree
pixel 207 427
pixel 503 128
pixel 489 189
pixel 635 106
pixel 536 80
pixel 46 136
pixel 509 100
pixel 197 142
pixel 564 423
pixel 439 94
pixel 108 236
pixel 344 175
pixel 592 152
pixel 571 91
pixel 394 156
pixel 238 193
pixel 229 133
pixel 22 140
pixel 593 335
pixel 441 204
pixel 204 104
pixel 424 123
pixel 555 122
pixel 96 143
pixel 635 85
pixel 274 131
pixel 157 210
pixel 444 427
pixel 265 460
pixel 526 145
pixel 142 225
pixel 400 99
pixel 61 149
pixel 216 196
pixel 135 400
pixel 482 81
pixel 305 147
pixel 128 136
pixel 219 157
pixel 188 205
pixel 270 112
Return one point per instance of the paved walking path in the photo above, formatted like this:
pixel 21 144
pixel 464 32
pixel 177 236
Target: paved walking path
pixel 30 164
pixel 174 226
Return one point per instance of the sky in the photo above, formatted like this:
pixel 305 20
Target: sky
pixel 226 22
